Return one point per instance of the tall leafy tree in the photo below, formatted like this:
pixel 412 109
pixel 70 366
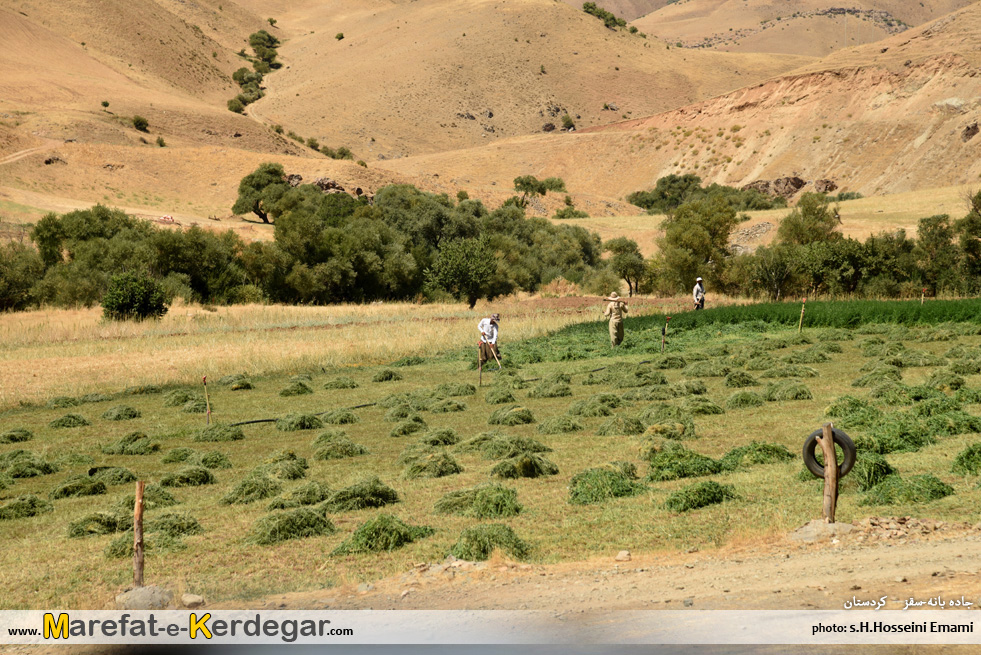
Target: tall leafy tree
pixel 260 191
pixel 696 241
pixel 626 261
pixel 813 219
pixel 463 268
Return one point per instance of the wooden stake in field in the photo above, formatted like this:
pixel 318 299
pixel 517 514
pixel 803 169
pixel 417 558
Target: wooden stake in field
pixel 664 332
pixel 800 325
pixel 207 400
pixel 138 536
pixel 830 473
pixel 480 369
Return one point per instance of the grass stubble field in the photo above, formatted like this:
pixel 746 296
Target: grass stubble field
pixel 630 413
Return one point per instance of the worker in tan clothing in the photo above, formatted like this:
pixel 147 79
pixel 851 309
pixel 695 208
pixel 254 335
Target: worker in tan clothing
pixel 615 311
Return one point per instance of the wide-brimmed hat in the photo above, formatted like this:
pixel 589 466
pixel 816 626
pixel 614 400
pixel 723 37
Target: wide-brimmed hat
pixel 612 296
pixel 495 317
pixel 698 279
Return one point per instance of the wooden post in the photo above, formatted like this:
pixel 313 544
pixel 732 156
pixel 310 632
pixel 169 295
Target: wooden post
pixel 480 369
pixel 138 536
pixel 664 333
pixel 800 325
pixel 830 474
pixel 207 400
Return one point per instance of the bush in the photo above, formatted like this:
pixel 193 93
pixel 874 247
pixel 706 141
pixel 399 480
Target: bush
pixel 484 501
pixel 599 484
pixel 236 105
pixel 141 123
pixel 132 296
pixel 476 543
pixel 291 524
pixel 383 533
pixel 698 495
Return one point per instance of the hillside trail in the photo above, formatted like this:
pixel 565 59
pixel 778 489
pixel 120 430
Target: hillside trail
pixel 778 573
pixel 49 144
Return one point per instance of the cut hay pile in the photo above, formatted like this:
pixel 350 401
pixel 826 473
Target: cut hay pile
pixel 892 393
pixel 753 454
pixel 455 389
pixel 740 379
pixel 589 408
pixel 25 464
pixel 525 465
pixel 255 486
pixel 870 469
pixel 285 465
pixel 154 497
pixel 951 423
pixel 490 500
pixel 328 436
pixel 706 369
pixel 409 360
pixel 290 524
pixel 898 433
pixel 339 448
pixel 914 358
pixel 340 417
pixel 808 356
pixel 196 406
pixel 178 397
pixel 16 435
pixel 945 380
pixel 219 432
pixel 370 492
pixel 560 425
pixel 670 430
pixel 965 367
pixel 142 390
pixel 968 461
pixel 296 422
pixel 70 421
pixel 63 402
pixel 99 523
pixel 880 374
pixel 690 388
pixel 412 426
pixel 673 461
pixel 400 412
pixel 509 379
pixel 122 546
pixel 189 476
pixel 499 395
pixel 174 524
pixel 698 495
pixel 310 493
pixel 386 375
pixel 553 386
pixel 297 388
pixel 649 393
pixel 744 399
pixel 790 371
pixel 178 455
pixel 440 437
pixel 697 405
pixel 23 507
pixel 669 362
pixel 447 406
pixel 95 398
pixel 935 406
pixel 511 415
pixel 597 485
pixel 380 534
pixel 620 426
pixel 968 396
pixel 477 542
pixel 787 390
pixel 213 460
pixel 760 363
pixel 834 334
pixel 894 490
pixel 342 382
pixel 78 486
pixel 112 475
pixel 853 412
pixel 229 380
pixel 669 421
pixel 434 465
pixel 134 443
pixel 497 445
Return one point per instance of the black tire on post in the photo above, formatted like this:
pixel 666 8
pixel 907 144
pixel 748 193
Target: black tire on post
pixel 842 440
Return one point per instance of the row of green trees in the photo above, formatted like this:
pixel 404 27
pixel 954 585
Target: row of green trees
pixel 810 255
pixel 327 248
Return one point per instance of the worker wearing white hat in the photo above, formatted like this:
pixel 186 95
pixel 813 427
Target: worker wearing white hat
pixel 698 294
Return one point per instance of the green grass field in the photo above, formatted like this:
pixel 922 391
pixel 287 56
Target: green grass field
pixel 645 420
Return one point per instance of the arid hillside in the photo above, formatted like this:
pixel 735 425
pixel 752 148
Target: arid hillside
pixel 803 27
pixel 625 9
pixel 899 116
pixel 411 78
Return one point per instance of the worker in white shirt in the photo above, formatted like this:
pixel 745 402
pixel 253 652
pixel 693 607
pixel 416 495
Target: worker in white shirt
pixel 698 294
pixel 488 340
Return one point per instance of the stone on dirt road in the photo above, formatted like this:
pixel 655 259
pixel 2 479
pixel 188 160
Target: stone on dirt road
pixel 192 601
pixel 623 556
pixel 818 530
pixel 144 598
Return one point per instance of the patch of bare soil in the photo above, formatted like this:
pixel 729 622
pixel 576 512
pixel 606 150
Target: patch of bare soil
pixel 897 557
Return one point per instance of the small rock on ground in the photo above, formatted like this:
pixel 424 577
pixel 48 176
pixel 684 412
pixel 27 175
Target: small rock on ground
pixel 192 601
pixel 818 530
pixel 623 556
pixel 144 598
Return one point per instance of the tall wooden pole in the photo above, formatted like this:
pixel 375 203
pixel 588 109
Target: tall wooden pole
pixel 800 325
pixel 830 474
pixel 207 400
pixel 138 536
